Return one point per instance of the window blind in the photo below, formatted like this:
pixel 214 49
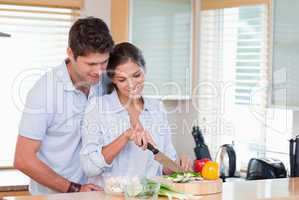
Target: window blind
pixel 38 42
pixel 251 58
pixel 162 30
pixel 233 59
pixel 285 54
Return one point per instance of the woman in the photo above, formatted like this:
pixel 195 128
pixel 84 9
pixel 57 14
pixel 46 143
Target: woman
pixel 118 126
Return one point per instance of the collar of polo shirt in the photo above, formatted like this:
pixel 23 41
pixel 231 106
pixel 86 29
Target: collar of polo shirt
pixel 118 107
pixel 68 85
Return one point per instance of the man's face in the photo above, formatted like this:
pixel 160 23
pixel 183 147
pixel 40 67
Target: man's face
pixel 88 69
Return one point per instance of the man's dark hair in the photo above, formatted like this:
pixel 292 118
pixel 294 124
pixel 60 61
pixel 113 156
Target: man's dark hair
pixel 90 35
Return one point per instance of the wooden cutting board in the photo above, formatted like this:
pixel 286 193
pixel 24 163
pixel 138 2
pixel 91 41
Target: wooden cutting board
pixel 202 187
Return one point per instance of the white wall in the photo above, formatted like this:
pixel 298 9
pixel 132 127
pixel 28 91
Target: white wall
pixel 181 122
pixel 97 8
pixel 296 123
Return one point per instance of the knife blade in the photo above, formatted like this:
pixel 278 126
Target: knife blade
pixel 163 159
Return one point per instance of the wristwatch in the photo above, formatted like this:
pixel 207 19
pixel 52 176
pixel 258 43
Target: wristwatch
pixel 74 187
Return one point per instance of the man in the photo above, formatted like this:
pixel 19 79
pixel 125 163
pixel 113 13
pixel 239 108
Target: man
pixel 49 138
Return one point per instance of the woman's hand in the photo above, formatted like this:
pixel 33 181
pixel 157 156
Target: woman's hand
pixel 140 136
pixel 185 163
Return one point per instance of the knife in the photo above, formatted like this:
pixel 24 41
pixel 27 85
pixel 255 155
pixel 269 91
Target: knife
pixel 163 159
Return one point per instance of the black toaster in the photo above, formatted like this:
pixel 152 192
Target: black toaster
pixel 267 168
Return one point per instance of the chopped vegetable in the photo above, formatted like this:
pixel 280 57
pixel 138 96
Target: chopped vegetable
pixel 184 177
pixel 135 189
pixel 115 185
pixel 147 187
pixel 170 192
pixel 144 188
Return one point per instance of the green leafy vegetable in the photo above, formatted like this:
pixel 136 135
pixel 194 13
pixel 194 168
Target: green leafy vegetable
pixel 184 177
pixel 170 192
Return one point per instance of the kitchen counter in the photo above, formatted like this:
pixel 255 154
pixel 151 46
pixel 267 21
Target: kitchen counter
pixel 13 180
pixel 275 189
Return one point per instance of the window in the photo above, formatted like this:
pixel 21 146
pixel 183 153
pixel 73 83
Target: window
pixel 234 78
pixel 38 42
pixel 285 54
pixel 162 29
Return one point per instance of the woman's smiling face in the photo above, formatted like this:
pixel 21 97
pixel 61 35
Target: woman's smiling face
pixel 129 79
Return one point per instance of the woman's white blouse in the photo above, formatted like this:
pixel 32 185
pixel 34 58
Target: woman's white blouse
pixel 105 120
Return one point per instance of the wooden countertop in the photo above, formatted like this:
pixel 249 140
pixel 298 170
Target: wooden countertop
pixel 275 189
pixel 13 180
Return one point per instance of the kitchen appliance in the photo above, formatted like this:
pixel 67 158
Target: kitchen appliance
pixel 294 157
pixel 267 168
pixel 226 158
pixel 163 159
pixel 201 149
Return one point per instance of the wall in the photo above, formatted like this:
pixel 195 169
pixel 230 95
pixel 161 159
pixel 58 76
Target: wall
pixel 97 8
pixel 181 123
pixel 296 123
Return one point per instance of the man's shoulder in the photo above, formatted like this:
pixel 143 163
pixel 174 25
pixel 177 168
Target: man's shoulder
pixel 46 90
pixel 50 79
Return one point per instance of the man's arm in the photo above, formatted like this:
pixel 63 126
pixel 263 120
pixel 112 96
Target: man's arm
pixel 27 162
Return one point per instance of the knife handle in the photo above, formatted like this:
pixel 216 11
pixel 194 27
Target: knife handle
pixel 152 148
